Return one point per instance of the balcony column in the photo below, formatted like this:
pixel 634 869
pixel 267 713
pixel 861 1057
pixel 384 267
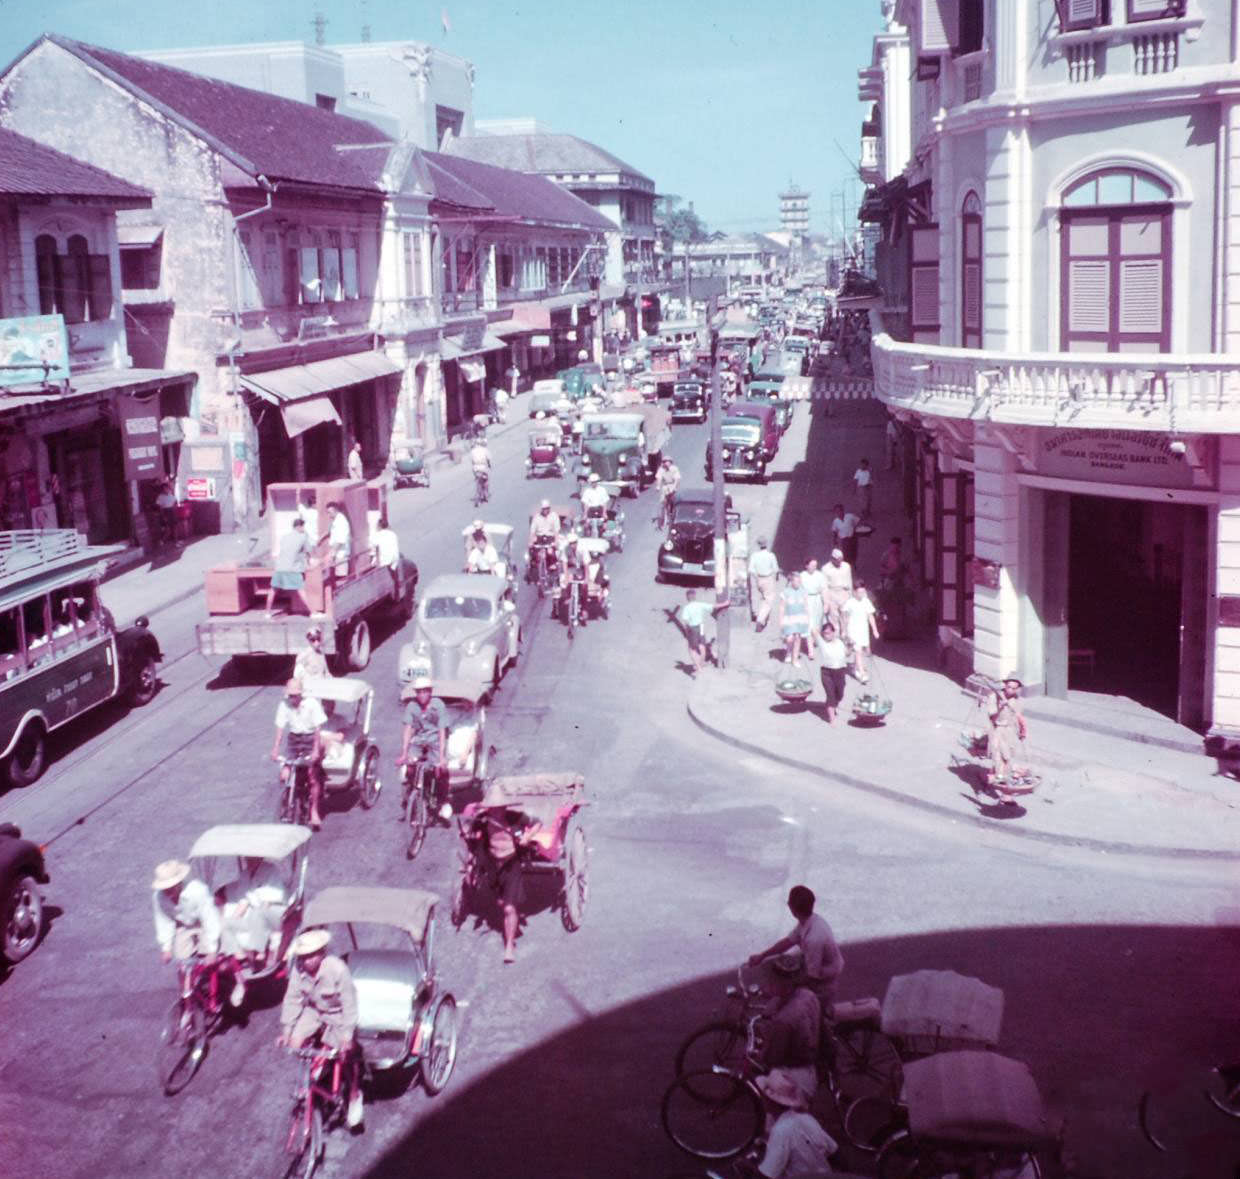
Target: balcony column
pixel 1007 239
pixel 996 537
pixel 1225 713
pixel 1229 297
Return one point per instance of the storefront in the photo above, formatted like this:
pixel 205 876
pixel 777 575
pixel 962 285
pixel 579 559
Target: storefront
pixel 471 366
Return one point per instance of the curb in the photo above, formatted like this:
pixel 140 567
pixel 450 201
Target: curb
pixel 898 796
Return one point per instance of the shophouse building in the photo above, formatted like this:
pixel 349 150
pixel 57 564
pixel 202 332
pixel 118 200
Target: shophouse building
pixel 745 260
pixel 85 436
pixel 1060 328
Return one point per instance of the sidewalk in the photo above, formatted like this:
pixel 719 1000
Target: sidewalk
pixel 173 575
pixel 1115 777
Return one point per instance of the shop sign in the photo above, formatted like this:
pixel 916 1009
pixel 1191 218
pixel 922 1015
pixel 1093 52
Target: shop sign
pixel 199 487
pixel 33 350
pixel 140 438
pixel 170 431
pixel 471 338
pixel 1144 458
pixel 540 341
pixel 207 457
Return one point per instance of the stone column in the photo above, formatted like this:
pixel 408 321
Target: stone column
pixel 996 537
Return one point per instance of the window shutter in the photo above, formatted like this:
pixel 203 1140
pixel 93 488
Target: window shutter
pixel 940 25
pixel 100 290
pixel 1141 295
pixel 46 263
pixel 1154 9
pixel 329 268
pixel 924 277
pixel 308 269
pixel 1080 14
pixel 972 296
pixel 292 284
pixel 348 272
pixel 1089 295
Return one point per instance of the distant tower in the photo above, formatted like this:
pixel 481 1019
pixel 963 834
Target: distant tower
pixel 794 220
pixel 319 25
pixel 365 22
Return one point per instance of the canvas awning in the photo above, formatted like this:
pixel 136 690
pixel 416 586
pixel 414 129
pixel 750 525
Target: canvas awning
pixel 526 317
pixel 450 349
pixel 138 237
pixel 296 382
pixel 300 416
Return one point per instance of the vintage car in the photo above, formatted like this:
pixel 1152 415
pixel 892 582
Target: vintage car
pixel 61 654
pixel 769 390
pixel 690 401
pixel 742 448
pixel 689 550
pixel 22 871
pixel 767 417
pixel 624 448
pixel 548 397
pixel 466 628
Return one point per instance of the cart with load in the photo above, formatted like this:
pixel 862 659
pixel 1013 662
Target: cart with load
pixel 409 467
pixel 350 755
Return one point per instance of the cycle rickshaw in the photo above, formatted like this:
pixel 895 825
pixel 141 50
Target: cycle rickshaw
pixel 352 762
pixel 549 807
pixel 409 467
pixel 499 537
pixel 544 457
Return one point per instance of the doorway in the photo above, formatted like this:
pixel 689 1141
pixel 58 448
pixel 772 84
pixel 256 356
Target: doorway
pixel 1136 589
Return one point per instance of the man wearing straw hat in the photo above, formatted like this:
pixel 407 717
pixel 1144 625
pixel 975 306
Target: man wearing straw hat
pixel 321 1002
pixel 797 1147
pixel 187 923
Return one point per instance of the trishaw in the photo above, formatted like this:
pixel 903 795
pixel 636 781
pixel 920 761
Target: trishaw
pixel 409 467
pixel 544 457
pixel 607 524
pixel 499 536
pixel 257 874
pixel 585 594
pixel 969 1113
pixel 351 760
pixel 542 564
pixel 548 807
pixel 405 1019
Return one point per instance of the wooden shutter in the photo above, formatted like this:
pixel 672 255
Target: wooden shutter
pixel 99 293
pixel 1080 14
pixel 1089 295
pixel 947 527
pixel 1154 9
pixel 292 280
pixel 308 270
pixel 924 278
pixel 970 281
pixel 940 25
pixel 1141 295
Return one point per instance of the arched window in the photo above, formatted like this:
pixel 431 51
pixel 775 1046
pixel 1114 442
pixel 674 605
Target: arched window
pixel 971 272
pixel 48 266
pixel 1115 289
pixel 73 282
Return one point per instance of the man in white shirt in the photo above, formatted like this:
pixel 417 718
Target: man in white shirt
pixel 844 529
pixel 482 557
pixel 354 463
pixel 187 923
pixel 797 1147
pixel 837 584
pixel 823 962
pixel 763 578
pixel 863 480
pixel 595 499
pixel 253 910
pixel 302 718
pixel 339 539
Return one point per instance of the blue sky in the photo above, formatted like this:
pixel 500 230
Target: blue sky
pixel 721 103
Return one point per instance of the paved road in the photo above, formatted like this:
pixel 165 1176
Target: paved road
pixel 1115 976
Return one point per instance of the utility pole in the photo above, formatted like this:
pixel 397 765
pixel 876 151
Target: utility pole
pixel 723 625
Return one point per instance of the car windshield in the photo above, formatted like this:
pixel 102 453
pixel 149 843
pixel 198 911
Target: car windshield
pixel 459 607
pixel 612 430
pixel 692 512
pixel 740 431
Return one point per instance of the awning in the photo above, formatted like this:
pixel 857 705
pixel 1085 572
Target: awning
pixel 300 416
pixel 299 381
pixel 473 370
pixel 526 317
pixel 138 237
pixel 450 349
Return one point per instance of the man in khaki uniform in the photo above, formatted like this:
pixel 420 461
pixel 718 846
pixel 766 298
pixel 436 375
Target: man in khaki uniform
pixel 763 579
pixel 321 1001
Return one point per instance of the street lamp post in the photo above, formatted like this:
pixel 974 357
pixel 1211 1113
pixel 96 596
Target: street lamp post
pixel 723 626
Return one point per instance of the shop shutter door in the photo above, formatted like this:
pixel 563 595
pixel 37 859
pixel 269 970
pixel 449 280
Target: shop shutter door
pixel 1089 295
pixel 1141 295
pixel 940 25
pixel 972 296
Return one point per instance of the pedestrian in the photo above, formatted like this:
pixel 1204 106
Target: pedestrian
pixel 892 436
pixel 339 538
pixel 844 529
pixel 387 550
pixel 859 625
pixel 891 565
pixel 694 616
pixel 293 555
pixel 837 579
pixel 797 1147
pixel 863 481
pixel 814 584
pixel 311 663
pixel 1008 731
pixel 499 398
pixel 354 464
pixel 834 656
pixel 793 619
pixel 763 572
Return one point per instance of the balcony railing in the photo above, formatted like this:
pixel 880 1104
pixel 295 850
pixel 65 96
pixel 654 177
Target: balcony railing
pixel 458 301
pixel 1180 393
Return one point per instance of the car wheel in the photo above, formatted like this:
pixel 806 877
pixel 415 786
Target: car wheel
pixel 145 684
pixel 29 755
pixel 23 918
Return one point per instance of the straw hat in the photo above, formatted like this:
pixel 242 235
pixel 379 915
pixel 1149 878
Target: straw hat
pixel 419 684
pixel 789 963
pixel 1013 678
pixel 782 1088
pixel 169 873
pixel 311 941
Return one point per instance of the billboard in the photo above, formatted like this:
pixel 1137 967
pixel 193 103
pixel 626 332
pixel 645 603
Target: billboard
pixel 34 350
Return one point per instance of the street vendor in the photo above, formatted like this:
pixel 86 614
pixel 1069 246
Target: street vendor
pixel 1008 730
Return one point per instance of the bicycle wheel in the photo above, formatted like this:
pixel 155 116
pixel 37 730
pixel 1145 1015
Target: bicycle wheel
pixel 870 1121
pixel 712 1115
pixel 866 1065
pixel 417 816
pixel 721 1044
pixel 303 1144
pixel 182 1045
pixel 900 1158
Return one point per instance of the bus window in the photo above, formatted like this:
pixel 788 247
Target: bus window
pixel 11 661
pixel 34 619
pixel 84 607
pixel 62 614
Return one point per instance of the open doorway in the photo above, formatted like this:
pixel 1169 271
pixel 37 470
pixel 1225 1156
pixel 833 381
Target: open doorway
pixel 1135 579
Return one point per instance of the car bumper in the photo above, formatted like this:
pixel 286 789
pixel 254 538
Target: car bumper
pixel 671 563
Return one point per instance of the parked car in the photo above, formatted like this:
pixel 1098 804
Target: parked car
pixel 466 628
pixel 22 871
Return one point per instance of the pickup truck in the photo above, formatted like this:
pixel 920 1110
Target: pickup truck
pixel 342 597
pixel 624 447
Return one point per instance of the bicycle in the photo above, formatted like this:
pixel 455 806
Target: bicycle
pixel 713 1114
pixel 416 801
pixel 316 1109
pixel 482 486
pixel 294 801
pixel 194 1015
pixel 541 566
pixel 667 501
pixel 572 606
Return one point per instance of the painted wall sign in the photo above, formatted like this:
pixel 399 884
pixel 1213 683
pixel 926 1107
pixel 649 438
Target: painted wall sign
pixel 33 349
pixel 1141 457
pixel 140 438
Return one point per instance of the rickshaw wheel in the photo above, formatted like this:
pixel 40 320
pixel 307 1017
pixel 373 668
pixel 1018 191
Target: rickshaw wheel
pixel 576 878
pixel 182 1045
pixel 460 899
pixel 303 1144
pixel 439 1057
pixel 370 778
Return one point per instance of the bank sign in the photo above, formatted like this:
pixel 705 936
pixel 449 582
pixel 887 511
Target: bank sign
pixel 1139 457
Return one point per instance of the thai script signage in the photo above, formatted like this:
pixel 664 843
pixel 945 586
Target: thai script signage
pixel 34 350
pixel 1144 458
pixel 140 437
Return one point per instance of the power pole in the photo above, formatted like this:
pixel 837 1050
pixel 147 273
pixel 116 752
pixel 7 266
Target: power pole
pixel 723 625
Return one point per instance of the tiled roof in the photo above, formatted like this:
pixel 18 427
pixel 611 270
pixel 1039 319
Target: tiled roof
pixel 263 134
pixel 541 151
pixel 510 193
pixel 28 168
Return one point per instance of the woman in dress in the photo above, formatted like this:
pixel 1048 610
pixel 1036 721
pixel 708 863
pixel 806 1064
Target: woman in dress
pixel 814 585
pixel 859 625
pixel 793 619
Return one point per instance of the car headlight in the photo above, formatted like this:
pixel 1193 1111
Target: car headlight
pixel 727 454
pixel 585 460
pixel 624 458
pixel 749 453
pixel 668 546
pixel 422 647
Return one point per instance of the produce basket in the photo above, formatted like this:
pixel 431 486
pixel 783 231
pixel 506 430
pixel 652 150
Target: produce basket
pixel 871 709
pixel 793 691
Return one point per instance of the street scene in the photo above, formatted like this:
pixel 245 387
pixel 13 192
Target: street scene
pixel 508 670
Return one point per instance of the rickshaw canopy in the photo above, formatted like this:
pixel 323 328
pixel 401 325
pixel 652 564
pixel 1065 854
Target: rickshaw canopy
pixel 498 534
pixel 978 1097
pixel 408 909
pixel 944 1007
pixel 266 841
pixel 342 689
pixel 471 690
pixel 510 790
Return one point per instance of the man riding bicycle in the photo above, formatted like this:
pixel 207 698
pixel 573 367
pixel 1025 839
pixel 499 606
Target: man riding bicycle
pixel 668 483
pixel 595 500
pixel 320 1005
pixel 822 961
pixel 544 533
pixel 480 460
pixel 426 729
pixel 302 718
pixel 187 922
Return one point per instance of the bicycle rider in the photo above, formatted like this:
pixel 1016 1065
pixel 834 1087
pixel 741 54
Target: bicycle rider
pixel 426 729
pixel 544 532
pixel 187 921
pixel 480 460
pixel 823 962
pixel 595 500
pixel 668 483
pixel 321 1003
pixel 303 718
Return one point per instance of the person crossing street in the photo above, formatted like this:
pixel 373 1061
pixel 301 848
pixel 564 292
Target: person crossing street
pixel 763 579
